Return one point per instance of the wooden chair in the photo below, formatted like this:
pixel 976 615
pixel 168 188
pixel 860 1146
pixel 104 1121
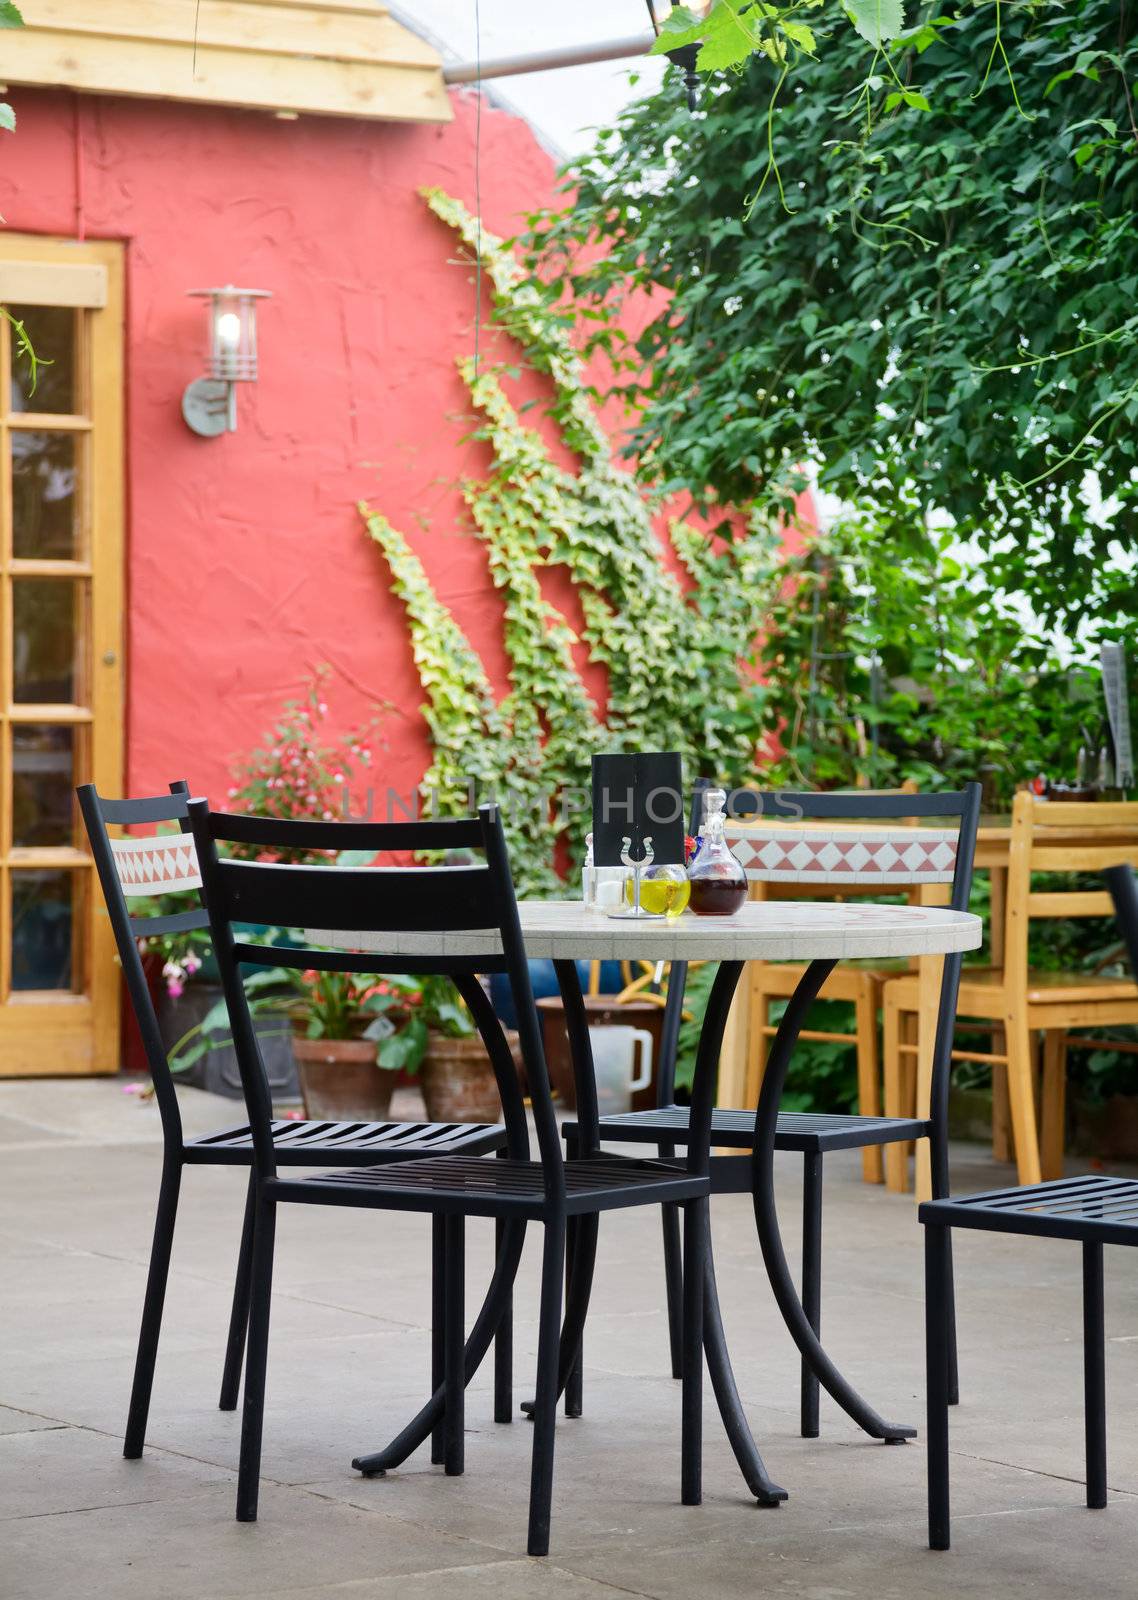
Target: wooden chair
pixel 858 984
pixel 1021 1001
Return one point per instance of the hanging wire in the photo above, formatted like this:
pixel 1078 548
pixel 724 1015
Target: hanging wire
pixel 477 183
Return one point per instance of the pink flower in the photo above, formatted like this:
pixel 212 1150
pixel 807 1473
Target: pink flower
pixel 175 988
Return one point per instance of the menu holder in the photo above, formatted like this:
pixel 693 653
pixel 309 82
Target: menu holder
pixel 638 810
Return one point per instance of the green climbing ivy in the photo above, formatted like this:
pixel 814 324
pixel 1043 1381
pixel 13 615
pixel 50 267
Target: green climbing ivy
pixel 677 651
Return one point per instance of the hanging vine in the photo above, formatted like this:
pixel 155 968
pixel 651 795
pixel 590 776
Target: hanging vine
pixel 675 655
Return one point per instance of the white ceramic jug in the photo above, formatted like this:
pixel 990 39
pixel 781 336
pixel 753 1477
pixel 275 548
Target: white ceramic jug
pixel 616 1067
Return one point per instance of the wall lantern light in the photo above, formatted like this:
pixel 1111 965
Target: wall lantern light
pixel 684 56
pixel 209 405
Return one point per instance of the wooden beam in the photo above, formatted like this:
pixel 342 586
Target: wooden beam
pixel 364 33
pixel 339 61
pixel 53 283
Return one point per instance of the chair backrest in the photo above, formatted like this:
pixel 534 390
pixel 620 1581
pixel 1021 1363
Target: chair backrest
pixel 772 834
pixel 1123 887
pixel 395 903
pixel 135 867
pixel 846 839
pixel 1060 838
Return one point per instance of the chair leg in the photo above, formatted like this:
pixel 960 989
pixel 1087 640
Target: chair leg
pixel 256 1360
pixel 895 1161
pixel 454 1375
pixel 1052 1129
pixel 1094 1375
pixel 152 1309
pixel 504 1347
pixel 868 1084
pixel 950 1310
pixel 696 1230
pixel 758 1043
pixel 910 1029
pixel 438 1330
pixel 1022 1099
pixel 811 1280
pixel 674 1284
pixel 575 1380
pixel 936 1380
pixel 545 1391
pixel 1001 1110
pixel 239 1314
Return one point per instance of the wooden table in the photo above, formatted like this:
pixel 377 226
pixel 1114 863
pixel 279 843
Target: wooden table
pixel 817 933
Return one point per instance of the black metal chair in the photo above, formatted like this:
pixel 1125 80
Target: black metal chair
pixel 809 1134
pixel 459 921
pixel 147 865
pixel 1093 1210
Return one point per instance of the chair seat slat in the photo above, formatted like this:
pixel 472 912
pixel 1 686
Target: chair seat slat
pixel 394 1141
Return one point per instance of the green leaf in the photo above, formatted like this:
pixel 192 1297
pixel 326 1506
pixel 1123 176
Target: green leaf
pixel 727 48
pixel 404 1051
pixel 798 33
pixel 679 27
pixel 10 15
pixel 877 21
pixel 7 117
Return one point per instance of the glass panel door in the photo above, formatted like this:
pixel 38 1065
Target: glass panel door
pixel 61 587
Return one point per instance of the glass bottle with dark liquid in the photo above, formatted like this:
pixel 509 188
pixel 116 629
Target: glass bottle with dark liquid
pixel 718 882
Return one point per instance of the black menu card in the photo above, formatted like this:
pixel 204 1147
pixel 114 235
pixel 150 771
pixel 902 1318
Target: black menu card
pixel 638 797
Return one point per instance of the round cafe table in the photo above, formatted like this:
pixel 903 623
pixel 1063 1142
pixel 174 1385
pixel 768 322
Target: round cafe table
pixel 566 931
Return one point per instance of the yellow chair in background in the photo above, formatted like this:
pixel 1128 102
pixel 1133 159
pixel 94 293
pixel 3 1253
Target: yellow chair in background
pixel 1015 1001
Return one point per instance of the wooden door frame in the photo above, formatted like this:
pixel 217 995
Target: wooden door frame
pixel 79 1033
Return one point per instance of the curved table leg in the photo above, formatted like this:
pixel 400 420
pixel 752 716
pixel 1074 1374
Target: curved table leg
pixel 578 1291
pixel 494 1307
pixel 582 1259
pixel 726 1392
pixel 714 1341
pixel 766 1217
pixel 727 1398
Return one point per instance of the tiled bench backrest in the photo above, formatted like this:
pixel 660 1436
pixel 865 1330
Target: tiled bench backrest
pixel 894 857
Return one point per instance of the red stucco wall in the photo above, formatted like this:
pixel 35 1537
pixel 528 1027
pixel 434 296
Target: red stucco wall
pixel 247 562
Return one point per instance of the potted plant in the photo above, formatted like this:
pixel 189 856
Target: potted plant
pixel 298 770
pixel 433 1034
pixel 337 1018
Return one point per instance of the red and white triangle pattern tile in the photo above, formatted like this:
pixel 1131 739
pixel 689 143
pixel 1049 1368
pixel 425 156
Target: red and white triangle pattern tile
pixel 162 864
pixel 862 855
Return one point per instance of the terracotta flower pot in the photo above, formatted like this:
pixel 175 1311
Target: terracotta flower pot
pixel 340 1081
pixel 458 1081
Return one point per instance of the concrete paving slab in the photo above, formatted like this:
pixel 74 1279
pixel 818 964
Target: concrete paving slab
pixel 349 1358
